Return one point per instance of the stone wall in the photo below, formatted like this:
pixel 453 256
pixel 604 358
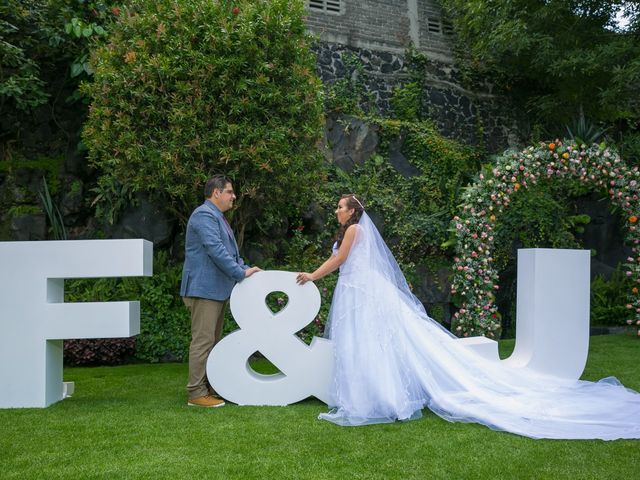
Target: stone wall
pixel 47 147
pixel 472 117
pixel 378 33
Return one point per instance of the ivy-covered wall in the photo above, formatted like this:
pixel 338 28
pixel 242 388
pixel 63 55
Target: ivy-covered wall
pixel 474 116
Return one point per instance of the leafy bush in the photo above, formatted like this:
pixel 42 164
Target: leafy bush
pixel 164 321
pixel 406 101
pixel 25 27
pixel 609 299
pixel 539 217
pixel 556 58
pixel 165 325
pixel 630 148
pixel 41 43
pixel 188 88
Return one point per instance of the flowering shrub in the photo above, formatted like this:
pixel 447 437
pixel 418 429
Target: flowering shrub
pixel 185 89
pixel 475 278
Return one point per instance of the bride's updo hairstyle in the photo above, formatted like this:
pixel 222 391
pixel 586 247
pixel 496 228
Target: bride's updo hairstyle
pixel 358 209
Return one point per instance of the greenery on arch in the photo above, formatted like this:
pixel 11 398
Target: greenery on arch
pixel 475 279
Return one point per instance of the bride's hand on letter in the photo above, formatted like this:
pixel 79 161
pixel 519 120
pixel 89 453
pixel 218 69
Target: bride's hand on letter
pixel 303 278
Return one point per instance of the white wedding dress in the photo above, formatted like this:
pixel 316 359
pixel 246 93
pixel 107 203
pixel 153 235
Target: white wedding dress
pixel 392 360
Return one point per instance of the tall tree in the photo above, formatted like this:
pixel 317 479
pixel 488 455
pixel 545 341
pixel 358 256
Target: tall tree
pixel 560 58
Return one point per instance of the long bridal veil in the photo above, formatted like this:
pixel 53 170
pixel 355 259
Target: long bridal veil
pixel 392 360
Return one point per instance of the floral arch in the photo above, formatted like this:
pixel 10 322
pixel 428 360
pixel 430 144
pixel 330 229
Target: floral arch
pixel 475 278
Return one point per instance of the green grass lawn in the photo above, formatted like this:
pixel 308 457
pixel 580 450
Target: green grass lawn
pixel 133 422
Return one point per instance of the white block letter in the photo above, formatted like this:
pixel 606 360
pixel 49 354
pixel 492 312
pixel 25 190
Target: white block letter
pixel 552 329
pixel 34 318
pixel 306 370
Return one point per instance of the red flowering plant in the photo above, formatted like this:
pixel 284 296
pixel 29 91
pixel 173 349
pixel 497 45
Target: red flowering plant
pixel 475 279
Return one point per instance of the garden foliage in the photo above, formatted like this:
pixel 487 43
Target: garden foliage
pixel 184 89
pixel 164 321
pixel 43 50
pixel 416 209
pixel 560 60
pixel 609 299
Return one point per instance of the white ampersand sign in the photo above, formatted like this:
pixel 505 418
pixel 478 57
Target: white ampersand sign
pixel 306 370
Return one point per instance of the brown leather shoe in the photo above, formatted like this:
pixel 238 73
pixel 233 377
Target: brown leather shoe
pixel 215 394
pixel 206 401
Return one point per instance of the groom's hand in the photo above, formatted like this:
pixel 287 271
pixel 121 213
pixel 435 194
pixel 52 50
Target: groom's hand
pixel 303 278
pixel 250 271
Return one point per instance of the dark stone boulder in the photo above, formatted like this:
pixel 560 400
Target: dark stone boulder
pixel 399 161
pixel 29 227
pixel 386 57
pixel 349 141
pixel 464 105
pixel 437 98
pixel 313 218
pixel 602 234
pixel 146 220
pixel 386 68
pixel 324 58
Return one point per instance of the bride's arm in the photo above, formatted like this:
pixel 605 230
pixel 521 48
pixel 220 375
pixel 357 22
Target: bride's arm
pixel 333 262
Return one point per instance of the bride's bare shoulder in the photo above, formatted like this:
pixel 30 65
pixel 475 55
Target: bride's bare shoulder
pixel 354 228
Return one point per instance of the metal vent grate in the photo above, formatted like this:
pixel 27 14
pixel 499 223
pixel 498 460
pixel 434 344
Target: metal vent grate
pixel 329 6
pixel 447 28
pixel 433 26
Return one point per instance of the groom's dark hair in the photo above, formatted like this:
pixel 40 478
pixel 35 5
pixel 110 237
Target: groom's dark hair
pixel 217 182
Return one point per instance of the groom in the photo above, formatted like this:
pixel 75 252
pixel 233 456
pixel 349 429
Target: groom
pixel 212 267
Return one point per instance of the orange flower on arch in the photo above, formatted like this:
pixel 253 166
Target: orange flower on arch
pixel 552 146
pixel 633 219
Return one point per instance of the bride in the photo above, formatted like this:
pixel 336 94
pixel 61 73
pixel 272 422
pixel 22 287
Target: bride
pixel 392 360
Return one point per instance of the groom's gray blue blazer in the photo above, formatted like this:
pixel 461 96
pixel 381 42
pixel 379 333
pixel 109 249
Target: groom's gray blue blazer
pixel 212 263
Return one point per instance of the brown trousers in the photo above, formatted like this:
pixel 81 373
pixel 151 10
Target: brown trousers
pixel 207 319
